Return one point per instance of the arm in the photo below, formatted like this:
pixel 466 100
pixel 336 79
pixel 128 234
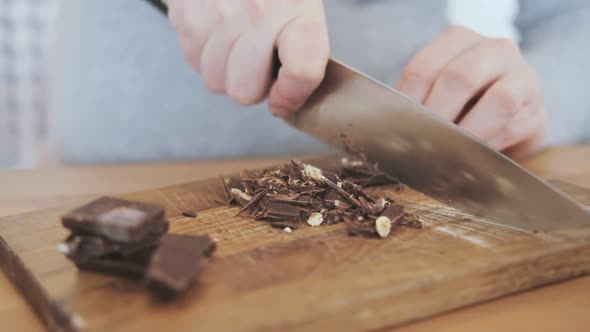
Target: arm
pixel 555 41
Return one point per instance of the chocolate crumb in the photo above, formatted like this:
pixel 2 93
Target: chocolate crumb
pixel 189 213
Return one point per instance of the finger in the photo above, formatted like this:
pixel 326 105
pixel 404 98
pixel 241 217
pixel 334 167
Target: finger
pixel 303 50
pixel 191 25
pixel 215 57
pixel 230 21
pixel 531 144
pixel 525 126
pixel 249 68
pixel 501 102
pixel 190 53
pixel 176 12
pixel 470 73
pixel 418 76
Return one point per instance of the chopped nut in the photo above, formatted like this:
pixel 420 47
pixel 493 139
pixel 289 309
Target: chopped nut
pixel 383 226
pixel 312 172
pixel 78 321
pixel 63 248
pixel 315 219
pixel 287 230
pixel 379 206
pixel 241 197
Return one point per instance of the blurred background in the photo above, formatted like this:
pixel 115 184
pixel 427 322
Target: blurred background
pixel 73 86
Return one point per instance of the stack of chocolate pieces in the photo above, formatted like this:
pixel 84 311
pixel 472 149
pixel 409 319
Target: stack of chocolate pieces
pixel 299 193
pixel 129 239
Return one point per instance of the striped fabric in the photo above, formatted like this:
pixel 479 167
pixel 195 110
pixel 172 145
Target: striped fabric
pixel 24 39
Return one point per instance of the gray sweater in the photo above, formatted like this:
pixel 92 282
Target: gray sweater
pixel 126 93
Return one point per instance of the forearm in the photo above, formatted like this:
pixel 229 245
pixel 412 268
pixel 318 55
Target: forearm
pixel 555 41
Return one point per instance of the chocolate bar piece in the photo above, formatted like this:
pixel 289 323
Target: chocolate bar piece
pixel 82 247
pixel 131 267
pixel 176 263
pixel 115 219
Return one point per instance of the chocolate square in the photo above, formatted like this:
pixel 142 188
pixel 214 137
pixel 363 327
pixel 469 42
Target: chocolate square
pixel 115 219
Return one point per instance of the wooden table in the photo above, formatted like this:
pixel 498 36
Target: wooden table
pixel 561 307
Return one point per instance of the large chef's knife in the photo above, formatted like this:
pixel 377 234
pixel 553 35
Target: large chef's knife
pixel 431 154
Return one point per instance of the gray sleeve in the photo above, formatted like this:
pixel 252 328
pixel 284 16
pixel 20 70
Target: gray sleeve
pixel 555 40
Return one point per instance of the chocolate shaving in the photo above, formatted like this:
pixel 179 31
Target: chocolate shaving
pixel 253 201
pixel 189 213
pixel 299 193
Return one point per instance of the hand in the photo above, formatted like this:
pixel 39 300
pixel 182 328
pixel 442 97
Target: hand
pixel 231 43
pixel 483 84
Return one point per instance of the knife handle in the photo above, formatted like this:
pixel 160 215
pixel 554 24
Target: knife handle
pixel 162 7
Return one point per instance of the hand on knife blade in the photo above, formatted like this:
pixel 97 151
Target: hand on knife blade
pixel 429 153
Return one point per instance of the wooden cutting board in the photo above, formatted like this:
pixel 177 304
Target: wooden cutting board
pixel 264 279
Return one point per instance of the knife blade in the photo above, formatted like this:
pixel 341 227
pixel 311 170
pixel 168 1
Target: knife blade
pixel 428 153
pixel 432 155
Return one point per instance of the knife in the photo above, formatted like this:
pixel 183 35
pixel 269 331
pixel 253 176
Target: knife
pixel 430 154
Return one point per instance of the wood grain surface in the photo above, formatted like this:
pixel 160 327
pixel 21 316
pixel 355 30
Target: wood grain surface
pixel 557 307
pixel 265 279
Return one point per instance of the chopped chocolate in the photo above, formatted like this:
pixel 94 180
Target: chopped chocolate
pixel 128 239
pixel 364 173
pixel 189 213
pixel 254 200
pixel 301 193
pixel 281 211
pixel 361 227
pixel 379 206
pixel 116 219
pixel 411 220
pixel 176 263
pixel 394 212
pixel 131 267
pixel 81 247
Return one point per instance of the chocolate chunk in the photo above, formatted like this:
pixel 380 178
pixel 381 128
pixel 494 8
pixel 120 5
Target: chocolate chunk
pixel 189 213
pixel 283 211
pixel 114 218
pixel 176 263
pixel 379 206
pixel 365 205
pixel 80 247
pixel 363 173
pixel 131 267
pixel 254 200
pixel 394 212
pixel 361 227
pixel 411 220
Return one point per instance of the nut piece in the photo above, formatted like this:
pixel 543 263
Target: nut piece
pixel 383 226
pixel 379 206
pixel 287 230
pixel 63 248
pixel 312 172
pixel 241 197
pixel 315 219
pixel 78 321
